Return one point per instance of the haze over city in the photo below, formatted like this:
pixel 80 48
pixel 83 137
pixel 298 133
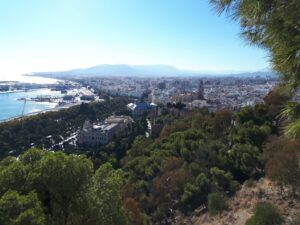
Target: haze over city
pixel 66 34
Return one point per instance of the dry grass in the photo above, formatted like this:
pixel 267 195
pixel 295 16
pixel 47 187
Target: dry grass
pixel 242 204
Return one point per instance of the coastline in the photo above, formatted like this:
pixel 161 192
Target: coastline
pixel 10 92
pixel 29 79
pixel 14 105
pixel 55 109
pixel 19 91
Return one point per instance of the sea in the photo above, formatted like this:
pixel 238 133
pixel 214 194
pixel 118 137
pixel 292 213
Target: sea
pixel 12 107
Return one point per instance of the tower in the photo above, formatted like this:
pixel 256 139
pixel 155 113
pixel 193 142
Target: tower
pixel 201 91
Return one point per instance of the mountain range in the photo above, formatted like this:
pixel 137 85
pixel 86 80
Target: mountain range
pixel 124 70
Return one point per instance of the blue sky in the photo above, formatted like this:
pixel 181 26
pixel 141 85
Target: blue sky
pixel 43 35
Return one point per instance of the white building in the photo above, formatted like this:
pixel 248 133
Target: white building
pixel 198 104
pixel 138 109
pixel 102 133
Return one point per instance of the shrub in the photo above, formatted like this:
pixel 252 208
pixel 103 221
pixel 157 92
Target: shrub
pixel 217 203
pixel 196 194
pixel 296 220
pixel 265 214
pixel 250 183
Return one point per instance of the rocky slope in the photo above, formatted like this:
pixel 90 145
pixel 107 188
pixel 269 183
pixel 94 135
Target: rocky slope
pixel 242 204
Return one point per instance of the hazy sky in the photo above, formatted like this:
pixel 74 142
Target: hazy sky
pixel 44 35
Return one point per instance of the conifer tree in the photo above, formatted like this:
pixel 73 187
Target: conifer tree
pixel 273 25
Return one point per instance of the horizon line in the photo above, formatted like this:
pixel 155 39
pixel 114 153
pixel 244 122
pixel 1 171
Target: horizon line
pixel 195 71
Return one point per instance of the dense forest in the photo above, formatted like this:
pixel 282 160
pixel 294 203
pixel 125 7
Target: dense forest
pixel 199 160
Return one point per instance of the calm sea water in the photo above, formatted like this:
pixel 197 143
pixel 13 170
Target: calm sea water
pixel 27 79
pixel 11 107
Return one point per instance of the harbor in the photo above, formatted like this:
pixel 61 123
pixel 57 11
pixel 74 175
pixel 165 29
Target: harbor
pixel 18 104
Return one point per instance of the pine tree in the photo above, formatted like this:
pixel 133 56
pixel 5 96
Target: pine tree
pixel 273 25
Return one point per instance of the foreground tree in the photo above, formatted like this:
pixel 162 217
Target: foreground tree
pixel 53 188
pixel 273 25
pixel 106 196
pixel 62 183
pixel 245 161
pixel 196 193
pixel 18 209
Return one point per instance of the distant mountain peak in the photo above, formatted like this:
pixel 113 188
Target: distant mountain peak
pixel 122 70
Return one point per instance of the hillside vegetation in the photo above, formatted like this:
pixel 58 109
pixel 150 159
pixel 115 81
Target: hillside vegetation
pixel 199 161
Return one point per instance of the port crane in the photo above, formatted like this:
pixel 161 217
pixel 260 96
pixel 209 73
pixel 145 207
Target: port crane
pixel 24 105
